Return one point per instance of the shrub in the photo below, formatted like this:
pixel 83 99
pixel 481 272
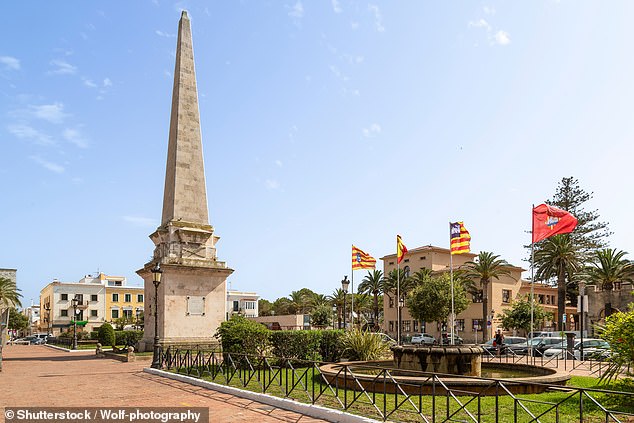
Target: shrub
pixel 94 334
pixel 242 336
pixel 321 316
pixel 106 335
pixel 128 337
pixel 618 332
pixel 331 345
pixel 364 346
pixel 296 344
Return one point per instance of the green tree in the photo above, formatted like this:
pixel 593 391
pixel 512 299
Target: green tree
pixel 106 335
pixel 373 284
pixel 318 300
pixel 9 294
pixel 17 320
pixel 397 279
pixel 321 316
pixel 265 307
pixel 430 301
pixel 485 267
pixel 557 258
pixel 519 315
pixel 337 300
pixel 618 331
pixel 608 268
pixel 281 306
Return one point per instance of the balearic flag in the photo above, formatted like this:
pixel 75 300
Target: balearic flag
pixel 549 221
pixel 460 240
pixel 362 260
pixel 401 249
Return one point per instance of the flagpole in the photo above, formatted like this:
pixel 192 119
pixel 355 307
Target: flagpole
pixel 532 277
pixel 398 299
pixel 352 290
pixel 453 318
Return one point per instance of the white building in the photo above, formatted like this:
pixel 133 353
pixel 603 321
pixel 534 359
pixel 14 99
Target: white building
pixel 244 303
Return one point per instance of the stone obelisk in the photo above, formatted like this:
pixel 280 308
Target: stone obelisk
pixel 192 293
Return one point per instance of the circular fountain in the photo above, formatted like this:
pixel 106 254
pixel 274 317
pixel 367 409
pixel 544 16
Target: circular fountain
pixel 423 370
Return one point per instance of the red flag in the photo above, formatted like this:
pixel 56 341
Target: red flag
pixel 549 221
pixel 362 260
pixel 459 238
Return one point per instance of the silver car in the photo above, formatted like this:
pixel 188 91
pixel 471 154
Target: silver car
pixel 423 339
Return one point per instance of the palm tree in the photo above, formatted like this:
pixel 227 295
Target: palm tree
pixel 299 302
pixel 373 284
pixel 318 300
pixel 336 299
pixel 558 258
pixel 394 277
pixel 486 267
pixel 608 268
pixel 9 294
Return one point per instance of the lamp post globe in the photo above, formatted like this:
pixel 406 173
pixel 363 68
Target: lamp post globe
pixel 156 280
pixel 344 287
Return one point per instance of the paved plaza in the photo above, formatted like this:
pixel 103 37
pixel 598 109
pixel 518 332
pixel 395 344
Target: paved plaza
pixel 40 376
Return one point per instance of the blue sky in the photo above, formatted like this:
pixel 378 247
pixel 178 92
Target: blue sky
pixel 324 124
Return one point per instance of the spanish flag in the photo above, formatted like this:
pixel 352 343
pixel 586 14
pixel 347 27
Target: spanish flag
pixel 362 260
pixel 401 249
pixel 460 240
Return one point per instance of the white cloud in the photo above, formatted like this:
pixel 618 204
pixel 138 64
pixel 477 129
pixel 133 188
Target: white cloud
pixel 489 10
pixel 164 34
pixel 481 23
pixel 140 221
pixel 62 68
pixel 24 131
pixel 297 12
pixel 89 83
pixel 272 184
pixel 53 167
pixel 372 131
pixel 502 38
pixel 378 18
pixel 10 63
pixel 336 6
pixel 75 137
pixel 107 82
pixel 53 113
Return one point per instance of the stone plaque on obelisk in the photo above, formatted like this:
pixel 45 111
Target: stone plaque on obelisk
pixel 192 293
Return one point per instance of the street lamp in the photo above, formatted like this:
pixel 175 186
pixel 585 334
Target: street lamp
pixel 492 316
pixel 344 287
pixel 138 312
pixel 74 303
pixel 156 279
pixel 47 307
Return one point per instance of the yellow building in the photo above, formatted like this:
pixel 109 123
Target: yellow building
pixel 123 301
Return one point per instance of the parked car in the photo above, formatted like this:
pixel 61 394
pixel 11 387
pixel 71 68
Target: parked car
pixel 538 345
pixel 29 340
pixel 591 347
pixel 386 338
pixel 509 342
pixel 423 339
pixel 543 334
pixel 445 339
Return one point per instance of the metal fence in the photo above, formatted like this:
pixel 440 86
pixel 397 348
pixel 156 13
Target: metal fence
pixel 388 396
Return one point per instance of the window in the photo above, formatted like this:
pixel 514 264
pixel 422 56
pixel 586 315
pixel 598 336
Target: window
pixel 64 313
pixel 249 305
pixel 93 297
pixel 406 270
pixel 477 296
pixel 423 258
pixel 540 298
pixel 391 300
pixel 114 313
pixel 115 298
pixel 406 260
pixel 127 314
pixel 415 325
pixel 407 326
pixel 139 298
pixel 460 325
pixel 506 295
pixel 127 298
pixel 93 313
pixel 391 326
pixel 391 263
pixel 477 324
pixel 64 297
pixel 236 306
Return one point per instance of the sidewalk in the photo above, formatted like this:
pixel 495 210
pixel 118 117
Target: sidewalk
pixel 35 375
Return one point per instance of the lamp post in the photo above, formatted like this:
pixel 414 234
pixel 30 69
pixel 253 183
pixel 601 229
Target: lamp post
pixel 344 287
pixel 492 316
pixel 74 303
pixel 156 280
pixel 47 307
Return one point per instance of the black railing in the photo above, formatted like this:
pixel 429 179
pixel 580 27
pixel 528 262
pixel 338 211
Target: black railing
pixel 386 393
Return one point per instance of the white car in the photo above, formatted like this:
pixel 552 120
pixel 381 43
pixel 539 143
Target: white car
pixel 591 346
pixel 423 339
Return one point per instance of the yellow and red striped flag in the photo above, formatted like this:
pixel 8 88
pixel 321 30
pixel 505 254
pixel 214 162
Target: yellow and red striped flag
pixel 362 260
pixel 401 249
pixel 460 240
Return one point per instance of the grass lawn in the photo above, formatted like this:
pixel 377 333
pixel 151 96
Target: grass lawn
pixel 557 406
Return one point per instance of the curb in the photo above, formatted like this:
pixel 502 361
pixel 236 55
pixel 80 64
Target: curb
pixel 310 410
pixel 55 347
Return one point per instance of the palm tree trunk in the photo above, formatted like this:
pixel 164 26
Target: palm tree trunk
pixel 485 307
pixel 376 310
pixel 561 299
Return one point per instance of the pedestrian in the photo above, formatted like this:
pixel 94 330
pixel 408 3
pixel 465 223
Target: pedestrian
pixel 498 341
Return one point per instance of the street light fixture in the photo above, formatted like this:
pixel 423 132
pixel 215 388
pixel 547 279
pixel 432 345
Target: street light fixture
pixel 344 287
pixel 156 279
pixel 75 302
pixel 47 307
